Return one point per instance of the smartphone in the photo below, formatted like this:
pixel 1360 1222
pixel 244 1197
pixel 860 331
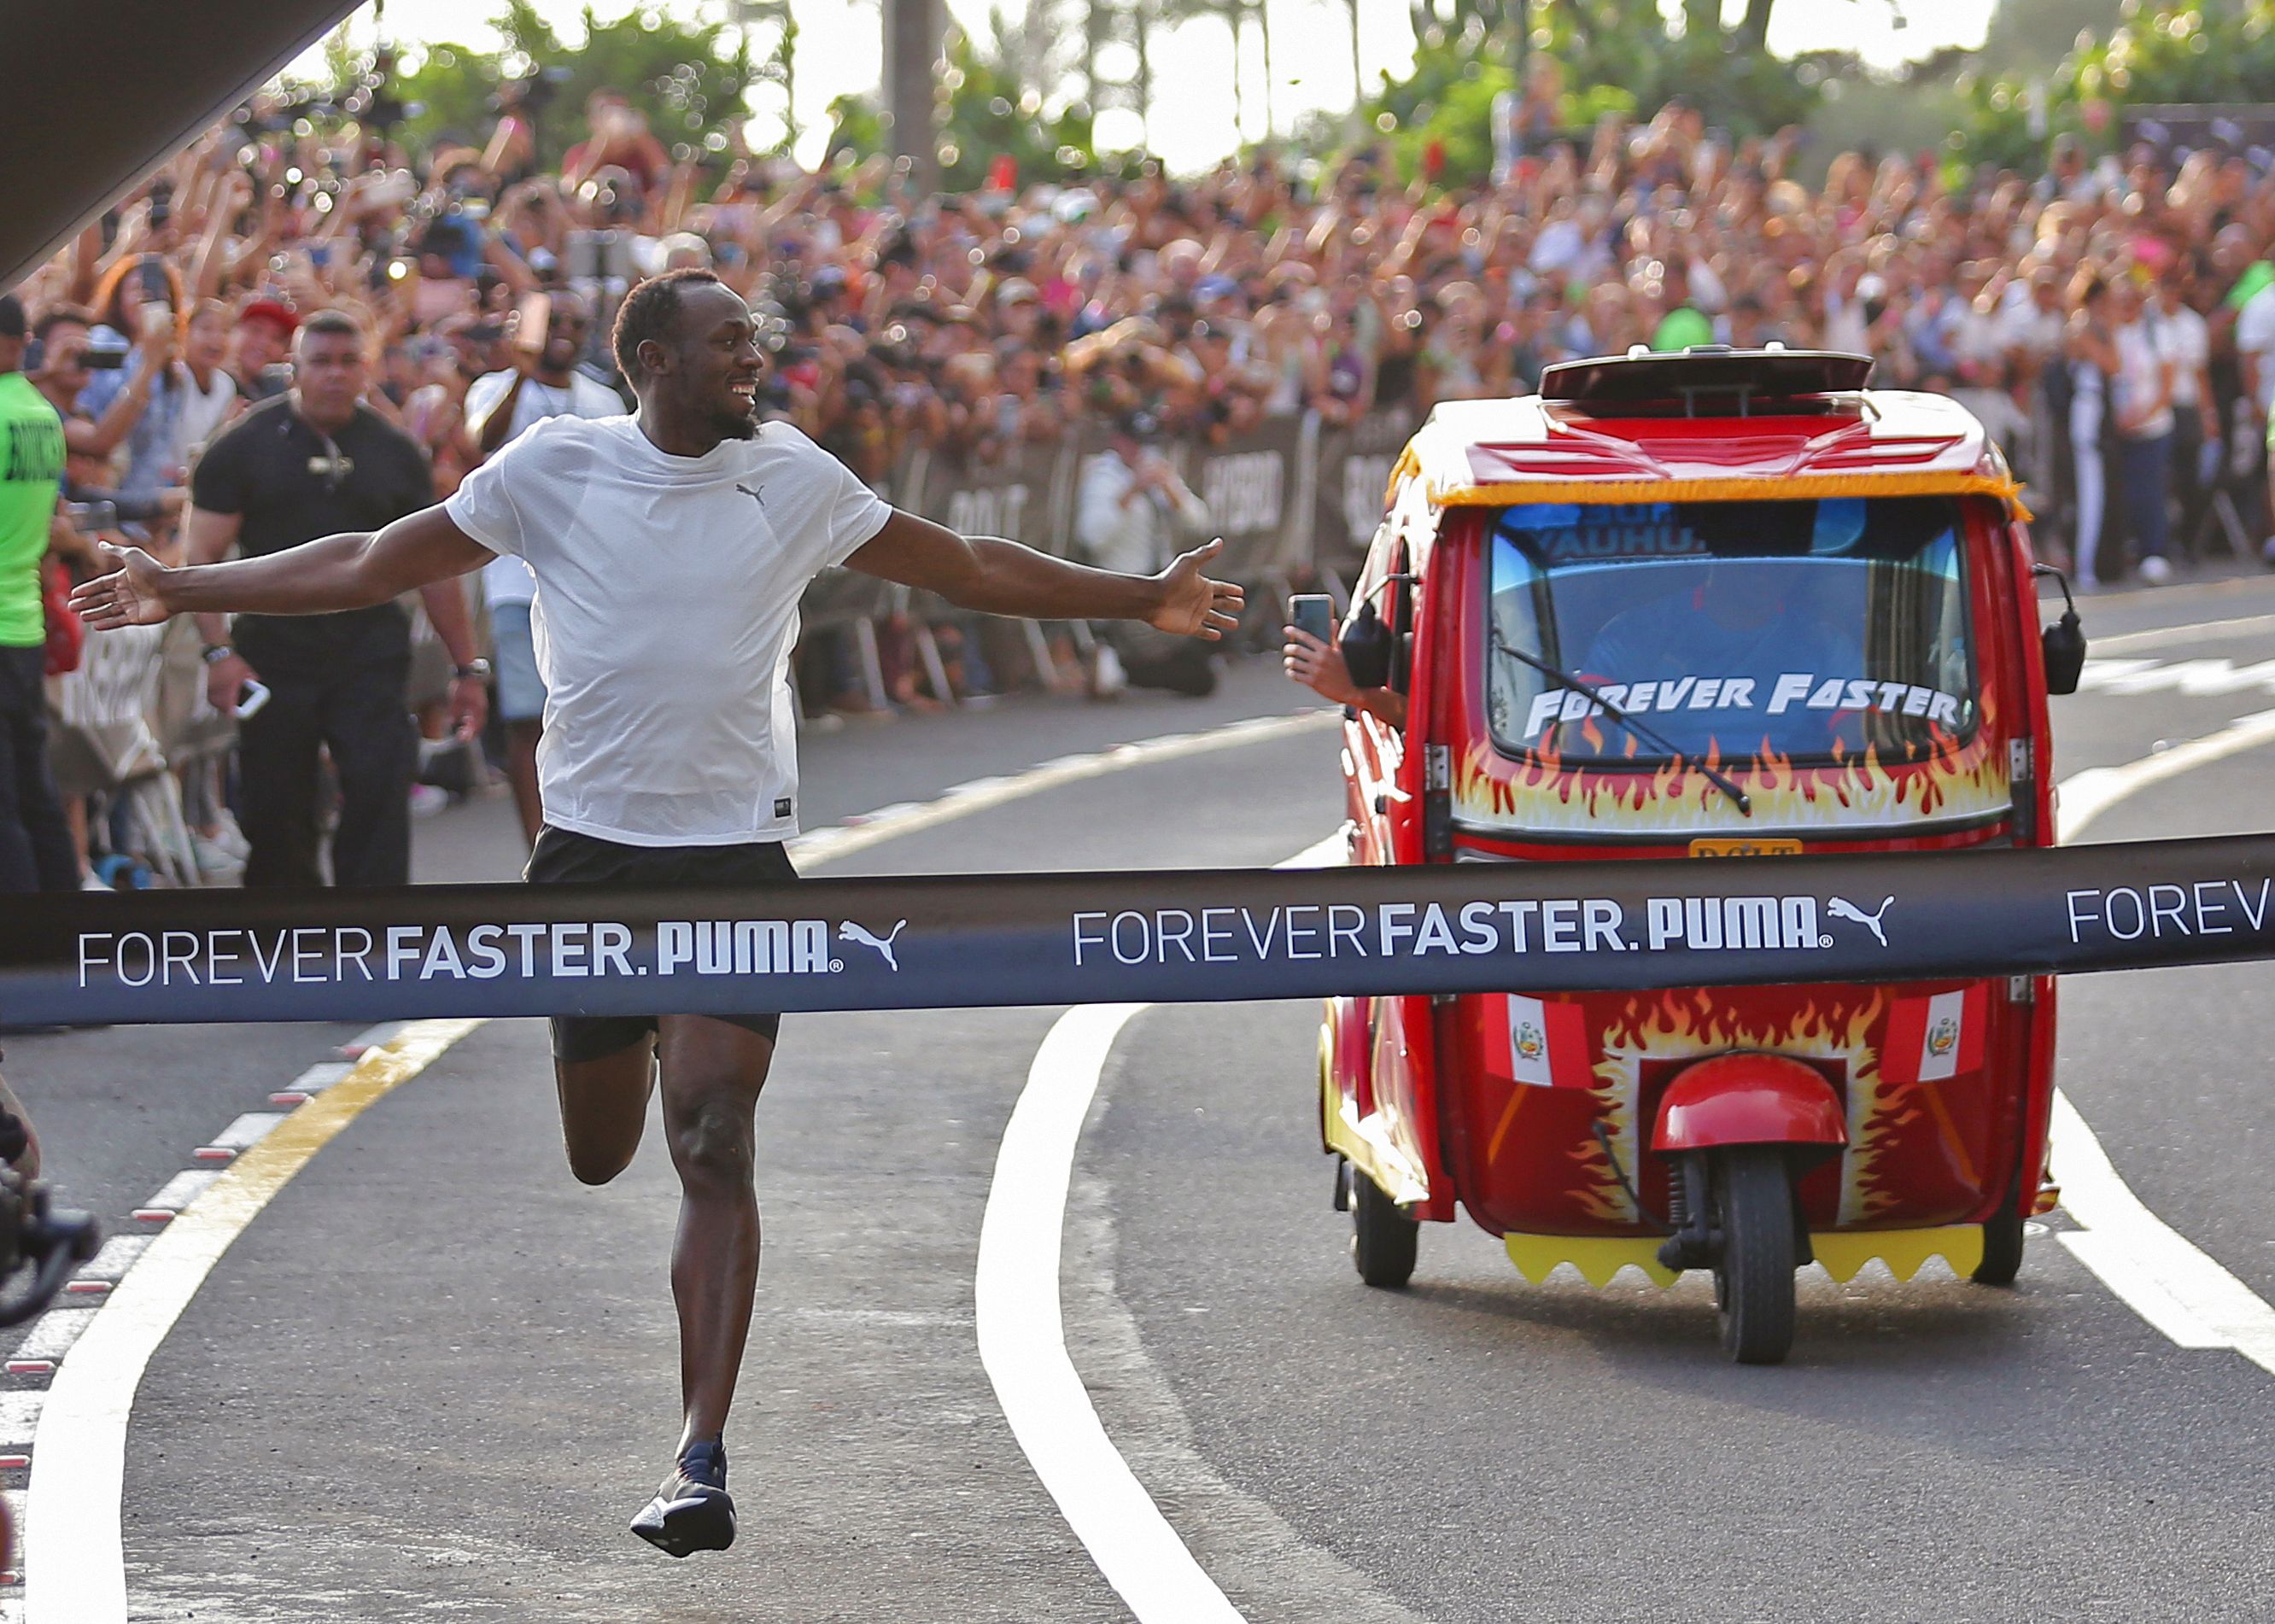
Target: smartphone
pixel 250 699
pixel 91 517
pixel 1313 613
pixel 535 316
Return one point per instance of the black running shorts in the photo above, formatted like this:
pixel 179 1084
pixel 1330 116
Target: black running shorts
pixel 563 858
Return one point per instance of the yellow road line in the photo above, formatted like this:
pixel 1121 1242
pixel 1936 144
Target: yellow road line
pixel 79 1460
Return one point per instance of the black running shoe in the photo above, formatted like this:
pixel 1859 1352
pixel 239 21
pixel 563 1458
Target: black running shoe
pixel 692 1511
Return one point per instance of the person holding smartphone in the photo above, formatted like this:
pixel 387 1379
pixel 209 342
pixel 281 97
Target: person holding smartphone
pixel 550 334
pixel 1313 656
pixel 311 463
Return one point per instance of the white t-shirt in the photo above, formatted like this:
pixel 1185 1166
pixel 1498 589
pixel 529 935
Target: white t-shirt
pixel 667 604
pixel 204 411
pixel 2255 336
pixel 2183 339
pixel 2140 380
pixel 504 579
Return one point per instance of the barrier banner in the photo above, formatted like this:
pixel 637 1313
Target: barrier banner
pixel 1009 496
pixel 1354 471
pixel 1249 482
pixel 1173 936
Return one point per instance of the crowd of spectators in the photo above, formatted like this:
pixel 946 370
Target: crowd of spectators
pixel 2112 320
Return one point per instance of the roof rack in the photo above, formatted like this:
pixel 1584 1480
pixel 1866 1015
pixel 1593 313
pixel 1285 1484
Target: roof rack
pixel 1707 379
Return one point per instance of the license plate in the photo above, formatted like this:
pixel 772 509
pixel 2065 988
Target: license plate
pixel 1744 846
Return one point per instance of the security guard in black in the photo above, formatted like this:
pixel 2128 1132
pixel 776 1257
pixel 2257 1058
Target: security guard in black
pixel 335 681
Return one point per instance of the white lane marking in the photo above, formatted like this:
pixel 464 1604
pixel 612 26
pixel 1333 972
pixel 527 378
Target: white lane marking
pixel 93 1425
pixel 1022 1341
pixel 2200 632
pixel 246 1131
pixel 2151 1267
pixel 2197 678
pixel 2085 796
pixel 1023 1335
pixel 179 1191
pixel 76 1572
pixel 116 1257
pixel 19 1418
pixel 984 794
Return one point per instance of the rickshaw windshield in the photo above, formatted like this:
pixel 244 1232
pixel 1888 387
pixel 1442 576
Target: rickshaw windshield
pixel 1807 629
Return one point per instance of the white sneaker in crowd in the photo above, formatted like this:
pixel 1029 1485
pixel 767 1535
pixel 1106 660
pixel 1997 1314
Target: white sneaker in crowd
pixel 426 800
pixel 228 837
pixel 213 858
pixel 92 883
pixel 2156 571
pixel 1108 678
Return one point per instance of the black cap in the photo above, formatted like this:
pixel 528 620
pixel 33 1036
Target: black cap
pixel 12 324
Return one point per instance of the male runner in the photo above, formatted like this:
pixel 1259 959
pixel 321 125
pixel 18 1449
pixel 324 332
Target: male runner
pixel 670 548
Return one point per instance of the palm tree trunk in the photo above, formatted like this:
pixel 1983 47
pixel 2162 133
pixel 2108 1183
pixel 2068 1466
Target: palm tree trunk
pixel 1358 79
pixel 1264 27
pixel 1239 92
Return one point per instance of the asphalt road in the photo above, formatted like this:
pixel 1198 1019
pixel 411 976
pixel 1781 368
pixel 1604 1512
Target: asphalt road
pixel 435 1375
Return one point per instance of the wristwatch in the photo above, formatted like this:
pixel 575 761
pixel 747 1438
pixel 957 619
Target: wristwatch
pixel 477 668
pixel 215 653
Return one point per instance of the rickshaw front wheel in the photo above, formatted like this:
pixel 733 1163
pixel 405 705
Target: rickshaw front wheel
pixel 1753 1278
pixel 1383 1237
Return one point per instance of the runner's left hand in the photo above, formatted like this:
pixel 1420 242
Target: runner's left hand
pixel 1192 604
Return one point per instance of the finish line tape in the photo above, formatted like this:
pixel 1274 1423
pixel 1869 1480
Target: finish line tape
pixel 1179 936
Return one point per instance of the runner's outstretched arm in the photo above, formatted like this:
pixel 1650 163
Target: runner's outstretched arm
pixel 1006 577
pixel 351 571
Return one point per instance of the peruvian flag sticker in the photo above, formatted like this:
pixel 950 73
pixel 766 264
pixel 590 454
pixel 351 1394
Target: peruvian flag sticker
pixel 1933 1039
pixel 1547 1044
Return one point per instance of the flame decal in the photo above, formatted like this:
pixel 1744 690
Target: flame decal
pixel 1534 793
pixel 1834 1024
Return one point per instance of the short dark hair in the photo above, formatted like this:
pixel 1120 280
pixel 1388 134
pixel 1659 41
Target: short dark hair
pixel 648 312
pixel 332 321
pixel 61 315
pixel 12 316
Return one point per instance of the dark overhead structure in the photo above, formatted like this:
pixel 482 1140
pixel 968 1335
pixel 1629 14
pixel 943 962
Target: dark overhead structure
pixel 97 95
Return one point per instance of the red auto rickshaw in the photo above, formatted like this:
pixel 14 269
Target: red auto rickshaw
pixel 1733 606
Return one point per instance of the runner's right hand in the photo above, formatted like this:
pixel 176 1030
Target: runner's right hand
pixel 133 594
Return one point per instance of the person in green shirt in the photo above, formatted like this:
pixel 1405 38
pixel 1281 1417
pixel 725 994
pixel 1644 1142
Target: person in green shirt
pixel 35 846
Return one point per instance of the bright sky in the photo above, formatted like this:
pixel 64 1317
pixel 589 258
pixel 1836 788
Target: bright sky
pixel 1193 122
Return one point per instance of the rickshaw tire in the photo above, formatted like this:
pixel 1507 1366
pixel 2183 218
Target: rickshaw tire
pixel 1754 1278
pixel 2002 1249
pixel 1383 1237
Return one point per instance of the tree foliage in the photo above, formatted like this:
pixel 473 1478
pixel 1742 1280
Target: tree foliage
pixel 687 76
pixel 986 114
pixel 2192 51
pixel 1615 56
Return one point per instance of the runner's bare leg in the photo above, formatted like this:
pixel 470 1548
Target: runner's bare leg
pixel 604 1108
pixel 713 1071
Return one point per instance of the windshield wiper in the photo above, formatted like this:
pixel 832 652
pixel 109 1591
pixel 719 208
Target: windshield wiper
pixel 1619 713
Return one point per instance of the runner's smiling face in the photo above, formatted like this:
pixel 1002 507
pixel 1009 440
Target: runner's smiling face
pixel 716 364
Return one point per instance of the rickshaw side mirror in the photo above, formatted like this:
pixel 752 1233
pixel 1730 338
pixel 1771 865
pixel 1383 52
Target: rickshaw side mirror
pixel 2064 643
pixel 1367 648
